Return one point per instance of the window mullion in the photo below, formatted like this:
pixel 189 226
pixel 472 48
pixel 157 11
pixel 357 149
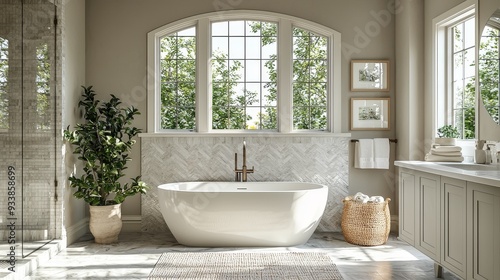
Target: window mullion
pixel 153 81
pixel 203 80
pixel 450 77
pixel 285 76
pixel 463 84
pixel 334 86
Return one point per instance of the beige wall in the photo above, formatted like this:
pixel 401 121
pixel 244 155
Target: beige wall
pixel 409 76
pixel 73 48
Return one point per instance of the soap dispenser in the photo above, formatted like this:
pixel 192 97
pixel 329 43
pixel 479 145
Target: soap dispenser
pixel 487 158
pixel 491 153
pixel 479 153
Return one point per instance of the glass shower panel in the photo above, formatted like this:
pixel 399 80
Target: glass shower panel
pixel 27 127
pixel 38 125
pixel 11 84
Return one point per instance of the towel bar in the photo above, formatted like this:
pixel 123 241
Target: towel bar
pixel 390 140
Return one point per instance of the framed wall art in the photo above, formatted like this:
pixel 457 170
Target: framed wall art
pixel 369 75
pixel 370 114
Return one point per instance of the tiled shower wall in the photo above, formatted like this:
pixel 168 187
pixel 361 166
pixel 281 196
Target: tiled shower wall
pixel 29 142
pixel 320 159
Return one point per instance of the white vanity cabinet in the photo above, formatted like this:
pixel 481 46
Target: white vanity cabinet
pixel 454 221
pixel 407 206
pixel 483 231
pixel 454 226
pixel 427 237
pixel 419 211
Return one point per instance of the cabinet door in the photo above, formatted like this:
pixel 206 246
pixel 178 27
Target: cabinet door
pixel 427 239
pixel 453 227
pixel 407 209
pixel 483 207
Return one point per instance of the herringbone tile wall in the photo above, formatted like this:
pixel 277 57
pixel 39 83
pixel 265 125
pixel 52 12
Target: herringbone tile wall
pixel 323 160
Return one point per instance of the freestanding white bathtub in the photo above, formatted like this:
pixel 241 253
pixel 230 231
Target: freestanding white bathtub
pixel 220 214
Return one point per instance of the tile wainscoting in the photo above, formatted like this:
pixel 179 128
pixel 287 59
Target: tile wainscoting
pixel 318 159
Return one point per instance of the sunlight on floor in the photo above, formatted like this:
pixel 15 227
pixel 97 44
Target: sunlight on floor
pixel 388 253
pixel 136 254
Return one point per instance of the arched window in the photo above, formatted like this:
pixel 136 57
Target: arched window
pixel 244 71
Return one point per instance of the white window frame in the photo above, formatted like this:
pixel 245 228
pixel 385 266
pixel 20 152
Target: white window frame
pixel 285 75
pixel 442 78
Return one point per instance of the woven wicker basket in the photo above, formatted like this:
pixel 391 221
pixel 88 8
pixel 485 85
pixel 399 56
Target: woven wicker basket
pixel 366 224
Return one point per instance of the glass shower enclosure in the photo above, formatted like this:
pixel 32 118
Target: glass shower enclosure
pixel 28 127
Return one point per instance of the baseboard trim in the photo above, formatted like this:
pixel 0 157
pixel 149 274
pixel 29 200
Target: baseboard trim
pixel 79 229
pixel 395 224
pixel 131 223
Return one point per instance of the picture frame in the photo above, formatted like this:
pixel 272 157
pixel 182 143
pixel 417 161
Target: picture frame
pixel 370 75
pixel 370 113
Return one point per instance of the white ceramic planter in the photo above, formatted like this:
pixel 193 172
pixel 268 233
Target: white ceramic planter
pixel 445 141
pixel 105 223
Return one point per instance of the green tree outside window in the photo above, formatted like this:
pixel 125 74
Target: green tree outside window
pixel 244 77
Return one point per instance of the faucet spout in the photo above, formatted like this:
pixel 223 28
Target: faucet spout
pixel 244 153
pixel 241 174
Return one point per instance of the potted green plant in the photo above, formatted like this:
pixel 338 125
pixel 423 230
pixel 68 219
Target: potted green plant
pixel 103 142
pixel 447 135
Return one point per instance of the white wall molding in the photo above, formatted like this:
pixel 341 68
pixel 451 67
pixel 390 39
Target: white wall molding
pixel 131 223
pixel 243 134
pixel 77 230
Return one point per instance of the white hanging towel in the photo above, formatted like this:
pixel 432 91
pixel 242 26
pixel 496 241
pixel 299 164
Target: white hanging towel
pixel 363 154
pixel 381 153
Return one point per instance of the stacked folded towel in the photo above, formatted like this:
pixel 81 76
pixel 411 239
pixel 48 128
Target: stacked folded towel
pixel 444 153
pixel 363 198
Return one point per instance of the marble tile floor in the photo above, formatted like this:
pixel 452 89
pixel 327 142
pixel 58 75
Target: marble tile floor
pixel 34 252
pixel 135 255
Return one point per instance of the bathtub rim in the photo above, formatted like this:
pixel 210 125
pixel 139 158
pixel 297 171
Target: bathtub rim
pixel 239 188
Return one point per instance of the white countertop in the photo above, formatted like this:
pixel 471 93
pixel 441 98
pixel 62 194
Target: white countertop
pixel 478 173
